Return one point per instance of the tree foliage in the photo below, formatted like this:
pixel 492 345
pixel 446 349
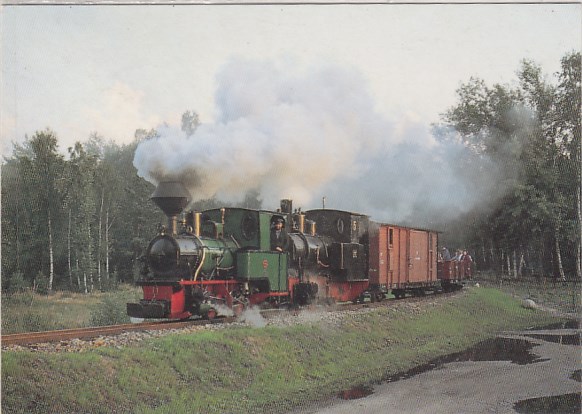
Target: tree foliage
pixel 190 122
pixel 79 223
pixel 101 218
pixel 531 132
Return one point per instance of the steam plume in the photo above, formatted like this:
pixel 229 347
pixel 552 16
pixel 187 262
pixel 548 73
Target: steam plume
pixel 304 135
pixel 285 135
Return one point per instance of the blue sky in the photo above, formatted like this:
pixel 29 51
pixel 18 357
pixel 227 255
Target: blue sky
pixel 114 69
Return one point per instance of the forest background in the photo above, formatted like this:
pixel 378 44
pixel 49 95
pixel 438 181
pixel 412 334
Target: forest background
pixel 82 222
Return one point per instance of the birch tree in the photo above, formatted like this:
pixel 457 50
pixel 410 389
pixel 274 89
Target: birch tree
pixel 42 179
pixel 531 131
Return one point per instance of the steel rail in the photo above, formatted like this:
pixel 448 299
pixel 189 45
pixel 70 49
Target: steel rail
pixel 28 338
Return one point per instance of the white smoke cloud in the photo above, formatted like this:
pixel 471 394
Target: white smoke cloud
pixel 253 317
pixel 285 134
pixel 419 181
pixel 307 134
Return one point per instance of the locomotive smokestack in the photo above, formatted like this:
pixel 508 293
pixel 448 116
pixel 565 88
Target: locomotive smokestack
pixel 171 197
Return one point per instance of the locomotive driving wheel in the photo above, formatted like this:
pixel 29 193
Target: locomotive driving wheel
pixel 211 314
pixel 240 302
pixel 238 309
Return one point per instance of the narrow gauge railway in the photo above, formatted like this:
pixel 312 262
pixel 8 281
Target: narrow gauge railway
pixel 32 338
pixel 238 258
pixel 28 338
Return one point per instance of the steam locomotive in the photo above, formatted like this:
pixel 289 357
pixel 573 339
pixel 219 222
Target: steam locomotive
pixel 204 262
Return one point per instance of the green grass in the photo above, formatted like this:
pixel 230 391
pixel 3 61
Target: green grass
pixel 28 312
pixel 253 370
pixel 563 297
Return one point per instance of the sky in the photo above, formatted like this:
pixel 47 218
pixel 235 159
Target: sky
pixel 114 69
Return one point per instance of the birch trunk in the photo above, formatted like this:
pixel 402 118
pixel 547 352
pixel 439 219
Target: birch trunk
pixel 51 254
pixel 492 256
pixel 578 264
pixel 79 276
pixel 107 226
pixel 578 245
pixel 514 265
pixel 69 252
pixel 559 259
pixel 508 265
pixel 541 261
pixel 521 263
pixel 17 230
pixel 99 242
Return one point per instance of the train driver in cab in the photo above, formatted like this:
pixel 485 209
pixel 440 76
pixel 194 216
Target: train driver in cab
pixel 279 237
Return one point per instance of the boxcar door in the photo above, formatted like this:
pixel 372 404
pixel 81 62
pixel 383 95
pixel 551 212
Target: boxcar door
pixel 418 259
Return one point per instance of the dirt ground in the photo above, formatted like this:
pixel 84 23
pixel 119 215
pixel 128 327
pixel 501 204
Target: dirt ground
pixel 490 386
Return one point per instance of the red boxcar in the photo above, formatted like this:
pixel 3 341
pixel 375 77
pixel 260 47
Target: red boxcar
pixel 403 260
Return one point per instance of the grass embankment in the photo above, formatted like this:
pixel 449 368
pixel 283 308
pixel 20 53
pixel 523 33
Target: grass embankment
pixel 562 297
pixel 256 369
pixel 29 312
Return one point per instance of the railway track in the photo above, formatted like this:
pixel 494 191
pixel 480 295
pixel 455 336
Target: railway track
pixel 94 332
pixel 64 335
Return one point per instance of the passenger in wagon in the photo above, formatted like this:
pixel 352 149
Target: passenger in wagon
pixel 467 263
pixel 279 237
pixel 445 254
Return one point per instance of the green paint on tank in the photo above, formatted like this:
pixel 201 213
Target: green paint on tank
pixel 263 265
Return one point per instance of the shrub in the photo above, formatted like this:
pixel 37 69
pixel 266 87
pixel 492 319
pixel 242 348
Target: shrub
pixel 111 311
pixel 17 283
pixel 26 318
pixel 110 283
pixel 34 322
pixel 41 283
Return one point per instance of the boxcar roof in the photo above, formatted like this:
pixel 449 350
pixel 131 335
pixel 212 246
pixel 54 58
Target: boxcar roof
pixel 406 227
